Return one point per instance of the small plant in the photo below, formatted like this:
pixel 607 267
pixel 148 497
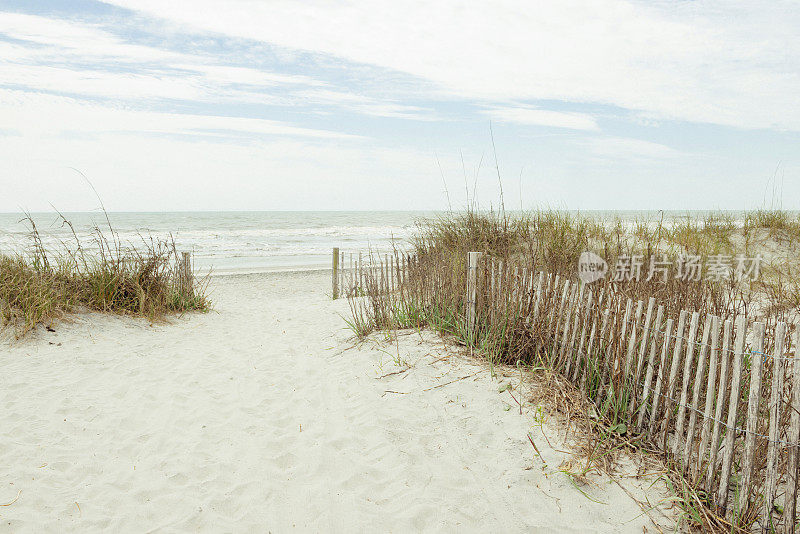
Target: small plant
pixel 42 285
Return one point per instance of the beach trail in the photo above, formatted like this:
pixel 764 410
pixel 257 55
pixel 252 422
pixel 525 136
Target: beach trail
pixel 261 416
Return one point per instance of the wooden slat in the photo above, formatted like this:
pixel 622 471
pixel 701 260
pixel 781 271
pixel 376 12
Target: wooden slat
pixel 722 402
pixel 494 282
pixel 775 398
pixel 569 309
pixel 592 335
pixel 632 337
pixel 492 289
pixel 531 295
pixel 335 274
pixel 626 384
pixel 396 270
pixel 514 292
pixel 525 289
pixel 651 365
pixel 616 339
pixel 501 272
pixel 641 357
pixel 626 318
pixel 705 434
pixel 604 363
pixel 562 323
pixel 472 290
pixel 537 298
pixel 677 356
pixel 387 273
pixel 699 383
pixel 552 307
pixel 544 310
pixel 733 408
pixel 790 502
pixel 360 274
pixel 756 363
pixel 557 323
pixel 549 296
pixel 598 361
pixel 342 269
pixel 662 369
pixel 391 273
pixel 691 344
pixel 576 317
pixel 587 314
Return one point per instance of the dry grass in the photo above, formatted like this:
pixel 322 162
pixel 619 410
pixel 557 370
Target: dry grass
pixel 42 285
pixel 510 330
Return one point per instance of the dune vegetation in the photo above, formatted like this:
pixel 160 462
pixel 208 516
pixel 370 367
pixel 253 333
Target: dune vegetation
pixel 512 328
pixel 39 286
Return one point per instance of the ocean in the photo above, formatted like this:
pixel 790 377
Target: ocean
pixel 226 242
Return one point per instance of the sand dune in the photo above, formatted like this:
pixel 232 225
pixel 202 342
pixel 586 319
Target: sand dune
pixel 261 416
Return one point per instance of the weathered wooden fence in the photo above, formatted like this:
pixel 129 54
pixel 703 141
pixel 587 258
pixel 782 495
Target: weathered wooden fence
pixel 720 397
pixel 360 273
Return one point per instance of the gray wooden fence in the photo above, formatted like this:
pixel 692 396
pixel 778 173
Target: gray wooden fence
pixel 719 397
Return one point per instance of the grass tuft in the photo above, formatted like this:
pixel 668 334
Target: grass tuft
pixel 43 285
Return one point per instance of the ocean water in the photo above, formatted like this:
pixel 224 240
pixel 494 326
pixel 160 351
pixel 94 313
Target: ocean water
pixel 261 241
pixel 228 241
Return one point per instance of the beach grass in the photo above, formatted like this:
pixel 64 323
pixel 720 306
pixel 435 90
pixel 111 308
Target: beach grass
pixel 433 295
pixel 40 286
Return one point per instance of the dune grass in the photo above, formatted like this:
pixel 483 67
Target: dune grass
pixel 40 286
pixel 432 294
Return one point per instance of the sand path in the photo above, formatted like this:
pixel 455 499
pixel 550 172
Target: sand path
pixel 256 417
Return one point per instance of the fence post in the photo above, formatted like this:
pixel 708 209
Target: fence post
pixel 651 364
pixel 790 504
pixel 775 410
pixel 724 379
pixel 751 425
pixel 472 290
pixel 186 274
pixel 733 408
pixel 335 274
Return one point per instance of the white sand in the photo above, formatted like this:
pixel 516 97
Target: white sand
pixel 256 418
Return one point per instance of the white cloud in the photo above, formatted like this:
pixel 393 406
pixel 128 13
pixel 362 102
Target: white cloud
pixel 39 115
pixel 733 64
pixel 364 105
pixel 543 117
pixel 622 148
pixel 75 39
pixel 72 57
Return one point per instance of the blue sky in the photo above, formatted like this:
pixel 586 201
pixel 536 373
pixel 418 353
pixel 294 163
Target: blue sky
pixel 263 105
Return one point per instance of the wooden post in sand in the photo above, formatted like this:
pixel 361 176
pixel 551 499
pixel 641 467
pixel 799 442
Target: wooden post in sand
pixel 775 399
pixel 186 274
pixel 335 275
pixel 733 408
pixel 790 503
pixel 472 290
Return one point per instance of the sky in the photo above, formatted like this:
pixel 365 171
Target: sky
pixel 413 105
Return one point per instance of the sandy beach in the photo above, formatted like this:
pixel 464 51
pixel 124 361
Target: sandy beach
pixel 262 415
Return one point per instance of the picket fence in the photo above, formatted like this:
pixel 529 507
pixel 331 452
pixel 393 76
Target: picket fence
pixel 355 274
pixel 719 397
